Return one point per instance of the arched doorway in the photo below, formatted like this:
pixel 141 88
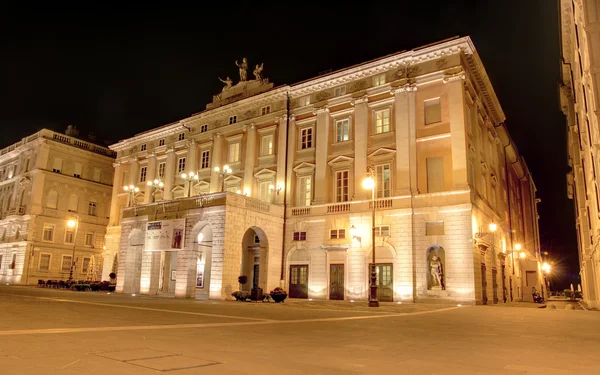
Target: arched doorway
pixel 203 243
pixel 385 256
pixel 254 259
pixel 435 268
pixel 130 269
pixel 298 260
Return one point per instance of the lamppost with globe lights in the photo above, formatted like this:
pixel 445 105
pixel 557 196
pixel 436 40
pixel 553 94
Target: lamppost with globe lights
pixel 156 186
pixel 223 173
pixel 369 183
pixel 73 223
pixel 131 189
pixel 189 177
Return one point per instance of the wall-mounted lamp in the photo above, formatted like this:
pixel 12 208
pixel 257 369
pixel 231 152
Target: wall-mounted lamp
pixel 277 188
pixel 355 233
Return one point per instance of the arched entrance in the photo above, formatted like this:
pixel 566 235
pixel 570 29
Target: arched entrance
pixel 203 243
pixel 254 259
pixel 130 268
pixel 385 256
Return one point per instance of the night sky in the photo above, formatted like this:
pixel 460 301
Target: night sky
pixel 116 71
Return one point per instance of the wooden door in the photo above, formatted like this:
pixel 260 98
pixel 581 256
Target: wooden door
pixel 495 284
pixel 336 281
pixel 385 288
pixel 484 298
pixel 299 281
pixel 504 283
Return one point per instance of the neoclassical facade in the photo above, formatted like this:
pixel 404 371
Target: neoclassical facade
pixel 290 209
pixel 580 44
pixel 47 179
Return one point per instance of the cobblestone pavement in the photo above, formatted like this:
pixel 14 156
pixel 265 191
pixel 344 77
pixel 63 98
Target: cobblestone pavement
pixel 62 332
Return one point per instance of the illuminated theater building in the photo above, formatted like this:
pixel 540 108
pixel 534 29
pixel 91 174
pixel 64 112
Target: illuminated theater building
pixel 287 205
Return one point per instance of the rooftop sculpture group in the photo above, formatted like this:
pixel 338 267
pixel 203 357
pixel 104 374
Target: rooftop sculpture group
pixel 243 68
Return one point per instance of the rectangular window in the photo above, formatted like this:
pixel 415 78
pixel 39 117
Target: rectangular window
pixel 234 152
pixel 339 91
pixel 180 165
pixel 44 262
pixel 97 174
pixel 66 263
pixel 435 174
pixel 306 138
pixel 264 193
pixel 161 142
pixel 379 80
pixel 78 170
pixel 337 234
pixel 69 236
pixel 161 170
pixel 89 239
pixel 265 110
pixel 232 120
pixel 433 111
pixel 382 121
pixel 204 128
pixel 342 130
pixel 382 231
pixel 304 191
pixel 205 160
pixel 299 236
pixel 13 262
pixel 143 147
pixel 341 186
pixel 266 145
pixel 57 167
pixel 48 234
pixel 143 171
pixel 181 136
pixel 92 209
pixel 85 265
pixel 383 181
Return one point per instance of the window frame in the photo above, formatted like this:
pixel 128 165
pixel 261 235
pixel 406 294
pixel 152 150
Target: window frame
pixel 337 234
pixel 89 235
pixel 67 231
pixel 62 263
pixel 339 91
pixel 161 171
pixel 389 120
pixel 304 197
pixel 204 159
pixel 309 143
pixel 299 236
pixel 237 147
pixel 265 110
pixel 379 231
pixel 346 128
pixel 83 263
pixel 379 80
pixel 92 208
pixel 180 164
pixel 232 119
pixel 39 267
pixel 339 194
pixel 271 147
pixel 425 106
pixel 52 231
pixel 181 137
pixel 143 147
pixel 143 173
pixel 378 184
pixel 161 142
pixel 203 128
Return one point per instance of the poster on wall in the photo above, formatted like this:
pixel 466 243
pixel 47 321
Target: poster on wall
pixel 165 235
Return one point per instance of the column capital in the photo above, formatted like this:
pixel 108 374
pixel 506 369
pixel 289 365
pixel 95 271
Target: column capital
pixel 134 159
pixel 321 110
pixel 191 142
pixel 170 149
pixel 407 87
pixel 117 164
pixel 217 135
pixel 360 100
pixel 451 77
pixel 251 126
pixel 292 117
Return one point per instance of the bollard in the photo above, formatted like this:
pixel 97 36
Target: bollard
pixel 553 306
pixel 570 307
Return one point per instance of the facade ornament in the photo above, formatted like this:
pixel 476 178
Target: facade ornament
pixel 216 135
pixel 250 126
pixel 228 82
pixel 359 100
pixel 451 77
pixel 292 117
pixel 407 87
pixel 243 69
pixel 320 110
pixel 258 72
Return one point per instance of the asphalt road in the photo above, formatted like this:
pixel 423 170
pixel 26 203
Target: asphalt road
pixel 61 332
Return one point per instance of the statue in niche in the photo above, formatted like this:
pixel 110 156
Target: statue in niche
pixel 258 72
pixel 437 272
pixel 228 82
pixel 243 69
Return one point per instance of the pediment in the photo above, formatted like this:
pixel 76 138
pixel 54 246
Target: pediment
pixel 265 174
pixel 382 153
pixel 232 180
pixel 304 168
pixel 201 184
pixel 177 189
pixel 341 161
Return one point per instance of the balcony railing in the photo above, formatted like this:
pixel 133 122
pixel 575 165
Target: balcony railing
pixel 304 211
pixel 338 207
pixel 381 203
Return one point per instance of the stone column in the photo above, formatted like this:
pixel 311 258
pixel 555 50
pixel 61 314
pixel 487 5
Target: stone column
pixel 406 146
pixel 281 143
pixel 150 176
pixel 250 159
pixel 169 174
pixel 290 158
pixel 361 144
pixel 114 200
pixel 457 130
pixel 217 153
pixel 322 143
pixel 191 164
pixel 134 172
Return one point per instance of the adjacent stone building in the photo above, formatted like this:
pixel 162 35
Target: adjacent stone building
pixel 425 123
pixel 47 179
pixel 580 46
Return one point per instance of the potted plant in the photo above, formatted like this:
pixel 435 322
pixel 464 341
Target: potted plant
pixel 240 295
pixel 278 294
pixel 243 280
pixel 113 277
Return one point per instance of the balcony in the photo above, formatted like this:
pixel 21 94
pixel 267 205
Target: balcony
pixel 19 210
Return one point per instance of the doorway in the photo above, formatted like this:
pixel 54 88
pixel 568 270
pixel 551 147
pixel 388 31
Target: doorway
pixel 495 284
pixel 484 298
pixel 504 283
pixel 336 281
pixel 385 289
pixel 299 281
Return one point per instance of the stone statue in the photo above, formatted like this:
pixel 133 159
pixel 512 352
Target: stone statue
pixel 243 68
pixel 228 82
pixel 258 72
pixel 437 272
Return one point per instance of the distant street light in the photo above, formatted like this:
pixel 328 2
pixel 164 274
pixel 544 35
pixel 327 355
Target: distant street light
pixel 131 189
pixel 223 173
pixel 73 223
pixel 189 177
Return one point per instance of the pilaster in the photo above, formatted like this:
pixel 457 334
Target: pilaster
pixel 217 154
pixel 361 143
pixel 457 129
pixel 169 174
pixel 281 141
pixel 114 201
pixel 405 178
pixel 150 176
pixel 250 159
pixel 290 157
pixel 322 149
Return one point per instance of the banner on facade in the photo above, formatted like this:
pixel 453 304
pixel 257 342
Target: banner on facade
pixel 165 235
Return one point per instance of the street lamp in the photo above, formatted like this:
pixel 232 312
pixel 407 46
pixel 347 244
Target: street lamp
pixel 131 189
pixel 155 185
pixel 369 183
pixel 73 223
pixel 189 177
pixel 226 171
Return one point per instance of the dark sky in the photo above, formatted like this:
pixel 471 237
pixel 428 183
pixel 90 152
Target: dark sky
pixel 116 70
